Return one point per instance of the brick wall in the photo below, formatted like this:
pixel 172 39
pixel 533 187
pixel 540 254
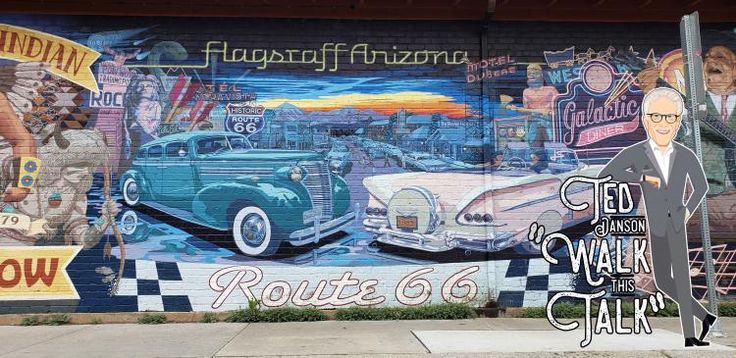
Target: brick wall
pixel 392 106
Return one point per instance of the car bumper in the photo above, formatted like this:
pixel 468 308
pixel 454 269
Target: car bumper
pixel 441 240
pixel 314 234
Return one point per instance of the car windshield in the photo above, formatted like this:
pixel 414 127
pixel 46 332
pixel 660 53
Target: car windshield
pixel 339 147
pixel 210 145
pixel 237 142
pixel 517 153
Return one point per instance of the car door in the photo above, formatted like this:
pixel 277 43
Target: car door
pixel 177 186
pixel 153 170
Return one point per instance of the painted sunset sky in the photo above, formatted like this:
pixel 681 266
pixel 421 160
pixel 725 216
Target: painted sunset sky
pixel 384 95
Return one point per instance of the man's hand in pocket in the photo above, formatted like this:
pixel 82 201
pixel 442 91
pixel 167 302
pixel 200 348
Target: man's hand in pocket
pixel 653 180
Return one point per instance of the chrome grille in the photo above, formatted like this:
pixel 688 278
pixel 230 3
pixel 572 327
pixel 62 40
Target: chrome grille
pixel 319 186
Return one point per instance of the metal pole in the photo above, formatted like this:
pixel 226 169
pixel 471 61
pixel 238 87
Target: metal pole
pixel 484 53
pixel 690 37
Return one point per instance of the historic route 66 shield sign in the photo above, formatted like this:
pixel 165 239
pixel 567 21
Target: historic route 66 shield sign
pixel 244 119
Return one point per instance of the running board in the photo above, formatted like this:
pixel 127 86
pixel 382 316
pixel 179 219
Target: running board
pixel 181 214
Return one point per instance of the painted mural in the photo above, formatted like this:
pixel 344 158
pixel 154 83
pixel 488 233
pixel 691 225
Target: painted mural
pixel 144 171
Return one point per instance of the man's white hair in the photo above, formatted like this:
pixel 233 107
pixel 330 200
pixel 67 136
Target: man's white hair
pixel 660 92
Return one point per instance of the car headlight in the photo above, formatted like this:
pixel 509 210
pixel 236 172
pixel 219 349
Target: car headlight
pixel 334 164
pixel 296 174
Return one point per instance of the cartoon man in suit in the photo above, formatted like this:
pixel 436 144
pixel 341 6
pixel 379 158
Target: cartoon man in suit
pixel 719 67
pixel 663 168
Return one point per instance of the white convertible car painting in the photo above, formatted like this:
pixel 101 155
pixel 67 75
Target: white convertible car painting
pixel 488 211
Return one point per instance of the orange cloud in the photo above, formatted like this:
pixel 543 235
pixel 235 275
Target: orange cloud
pixel 384 103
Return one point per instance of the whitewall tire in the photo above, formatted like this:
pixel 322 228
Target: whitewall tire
pixel 131 192
pixel 253 232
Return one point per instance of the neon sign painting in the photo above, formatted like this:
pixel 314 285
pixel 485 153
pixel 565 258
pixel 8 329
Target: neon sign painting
pixel 599 112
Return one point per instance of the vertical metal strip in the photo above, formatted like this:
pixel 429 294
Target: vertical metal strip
pixel 486 117
pixel 690 42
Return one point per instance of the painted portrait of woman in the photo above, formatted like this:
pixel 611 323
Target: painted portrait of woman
pixel 142 114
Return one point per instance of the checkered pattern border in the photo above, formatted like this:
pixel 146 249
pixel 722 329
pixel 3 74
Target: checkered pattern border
pixel 157 286
pixel 531 282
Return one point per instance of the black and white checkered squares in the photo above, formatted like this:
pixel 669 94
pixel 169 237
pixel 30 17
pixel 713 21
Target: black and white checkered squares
pixel 531 282
pixel 156 285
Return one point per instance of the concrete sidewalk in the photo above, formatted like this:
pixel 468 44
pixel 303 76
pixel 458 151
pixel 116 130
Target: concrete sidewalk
pixel 497 337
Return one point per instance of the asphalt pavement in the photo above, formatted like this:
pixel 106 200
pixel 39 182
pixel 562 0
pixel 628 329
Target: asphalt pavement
pixel 496 337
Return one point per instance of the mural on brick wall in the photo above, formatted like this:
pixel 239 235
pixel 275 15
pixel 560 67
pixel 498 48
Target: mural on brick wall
pixel 147 171
pixel 588 102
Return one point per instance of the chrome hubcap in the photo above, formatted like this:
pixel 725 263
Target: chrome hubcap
pixel 128 222
pixel 132 191
pixel 254 229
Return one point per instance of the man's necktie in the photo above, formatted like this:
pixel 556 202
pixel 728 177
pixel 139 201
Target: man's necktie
pixel 724 108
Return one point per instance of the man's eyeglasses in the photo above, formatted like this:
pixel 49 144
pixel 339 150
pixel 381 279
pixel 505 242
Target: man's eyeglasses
pixel 669 118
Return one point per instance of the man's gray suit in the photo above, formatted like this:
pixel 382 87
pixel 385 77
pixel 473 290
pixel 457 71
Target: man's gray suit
pixel 666 210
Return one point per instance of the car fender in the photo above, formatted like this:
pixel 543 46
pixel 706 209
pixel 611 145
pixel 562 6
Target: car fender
pixel 139 178
pixel 216 203
pixel 340 195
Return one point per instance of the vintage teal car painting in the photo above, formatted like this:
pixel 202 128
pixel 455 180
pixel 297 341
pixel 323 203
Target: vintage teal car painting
pixel 262 196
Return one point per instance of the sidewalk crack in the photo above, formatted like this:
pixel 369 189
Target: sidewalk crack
pixel 230 340
pixel 420 341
